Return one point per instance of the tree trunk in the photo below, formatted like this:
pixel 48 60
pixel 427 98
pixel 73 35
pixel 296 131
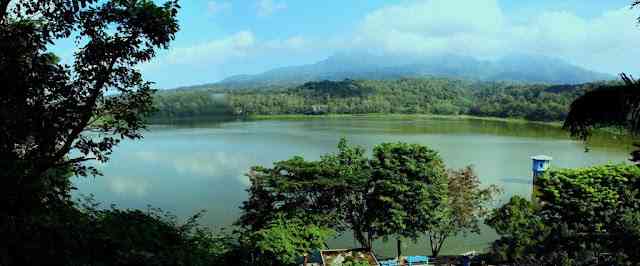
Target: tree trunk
pixel 4 5
pixel 399 249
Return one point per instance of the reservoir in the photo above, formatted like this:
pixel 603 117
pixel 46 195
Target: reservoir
pixel 201 165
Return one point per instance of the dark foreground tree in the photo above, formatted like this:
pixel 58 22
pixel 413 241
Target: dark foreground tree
pixel 57 116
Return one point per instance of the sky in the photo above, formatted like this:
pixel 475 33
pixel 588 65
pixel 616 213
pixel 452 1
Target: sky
pixel 221 38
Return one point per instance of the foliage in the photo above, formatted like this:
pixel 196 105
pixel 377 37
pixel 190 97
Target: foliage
pixel 351 261
pixel 587 215
pixel 331 192
pixel 55 116
pixel 418 96
pixel 615 106
pixel 465 209
pixel 88 235
pixel 400 191
pixel 52 111
pixel 181 104
pixel 409 189
pixel 283 241
pixel 520 228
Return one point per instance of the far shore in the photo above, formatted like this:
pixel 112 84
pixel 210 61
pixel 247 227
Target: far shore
pixel 401 116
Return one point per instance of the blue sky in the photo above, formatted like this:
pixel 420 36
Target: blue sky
pixel 220 38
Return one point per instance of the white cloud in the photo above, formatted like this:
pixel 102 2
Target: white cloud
pixel 268 7
pixel 238 46
pixel 217 7
pixel 215 51
pixel 606 43
pixel 291 43
pixel 482 29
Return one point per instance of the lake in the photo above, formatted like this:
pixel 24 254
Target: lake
pixel 191 166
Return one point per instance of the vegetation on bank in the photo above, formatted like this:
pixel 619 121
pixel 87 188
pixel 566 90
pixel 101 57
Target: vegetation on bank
pixel 588 216
pixel 434 96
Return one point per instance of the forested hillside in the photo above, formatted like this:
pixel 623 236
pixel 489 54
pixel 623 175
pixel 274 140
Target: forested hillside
pixel 526 68
pixel 440 96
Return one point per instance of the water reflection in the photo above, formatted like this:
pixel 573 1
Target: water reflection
pixel 200 165
pixel 514 180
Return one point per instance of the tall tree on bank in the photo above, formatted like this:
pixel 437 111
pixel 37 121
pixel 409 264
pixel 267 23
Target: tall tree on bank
pixel 409 190
pixel 330 192
pixel 55 117
pixel 466 207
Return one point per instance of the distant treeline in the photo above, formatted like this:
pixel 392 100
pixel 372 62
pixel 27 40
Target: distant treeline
pixel 439 96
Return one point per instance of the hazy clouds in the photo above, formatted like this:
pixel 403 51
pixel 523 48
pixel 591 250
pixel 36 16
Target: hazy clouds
pixel 607 43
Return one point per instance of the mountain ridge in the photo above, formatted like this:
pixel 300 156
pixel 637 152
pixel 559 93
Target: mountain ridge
pixel 511 68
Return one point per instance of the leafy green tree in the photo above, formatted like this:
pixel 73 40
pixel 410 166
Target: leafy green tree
pixel 285 240
pixel 520 227
pixel 289 188
pixel 409 190
pixel 353 167
pixel 588 215
pixel 466 208
pixel 331 192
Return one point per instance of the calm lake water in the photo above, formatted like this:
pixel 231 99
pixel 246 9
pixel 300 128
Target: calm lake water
pixel 187 167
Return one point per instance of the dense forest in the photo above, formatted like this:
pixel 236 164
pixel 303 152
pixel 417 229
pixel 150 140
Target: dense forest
pixel 441 96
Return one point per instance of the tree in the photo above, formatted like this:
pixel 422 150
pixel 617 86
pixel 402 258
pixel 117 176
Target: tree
pixel 520 227
pixel 409 190
pixel 285 240
pixel 331 192
pixel 589 215
pixel 609 106
pixel 401 191
pixel 466 207
pixel 354 170
pixel 57 115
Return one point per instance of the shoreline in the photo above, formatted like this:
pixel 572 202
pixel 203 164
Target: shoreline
pixel 400 116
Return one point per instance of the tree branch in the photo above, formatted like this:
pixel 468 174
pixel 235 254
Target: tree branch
pixel 4 6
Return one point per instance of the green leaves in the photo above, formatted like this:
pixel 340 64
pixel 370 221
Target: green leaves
pixel 579 213
pixel 84 109
pixel 55 117
pixel 409 189
pixel 400 191
pixel 466 206
pixel 285 240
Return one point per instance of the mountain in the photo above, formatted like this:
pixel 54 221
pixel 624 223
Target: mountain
pixel 520 68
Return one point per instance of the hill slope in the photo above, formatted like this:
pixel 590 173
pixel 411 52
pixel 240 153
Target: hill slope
pixel 520 68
